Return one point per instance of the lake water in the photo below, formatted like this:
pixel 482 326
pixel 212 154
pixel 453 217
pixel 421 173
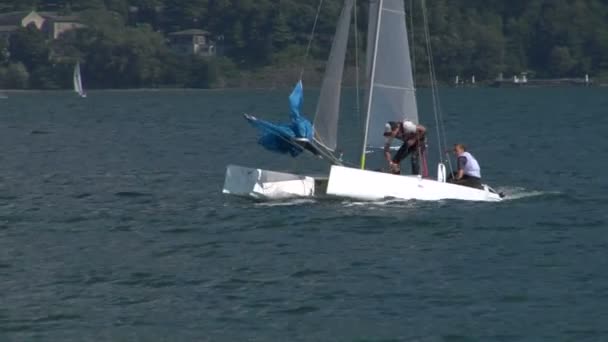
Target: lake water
pixel 113 226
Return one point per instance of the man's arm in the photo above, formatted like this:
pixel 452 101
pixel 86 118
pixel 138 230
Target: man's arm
pixel 462 161
pixel 420 130
pixel 387 151
pixel 387 146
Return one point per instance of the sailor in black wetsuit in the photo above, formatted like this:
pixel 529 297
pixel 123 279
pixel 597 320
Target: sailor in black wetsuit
pixel 414 143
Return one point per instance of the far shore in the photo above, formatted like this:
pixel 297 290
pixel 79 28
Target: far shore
pixel 275 88
pixel 315 85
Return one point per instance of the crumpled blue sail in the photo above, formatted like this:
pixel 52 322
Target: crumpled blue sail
pixel 280 137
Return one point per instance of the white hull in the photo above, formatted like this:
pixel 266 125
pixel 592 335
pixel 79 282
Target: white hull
pixel 371 185
pixel 345 182
pixel 265 184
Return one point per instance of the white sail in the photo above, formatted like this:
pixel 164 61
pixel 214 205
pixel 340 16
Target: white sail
pixel 78 81
pixel 328 106
pixel 391 94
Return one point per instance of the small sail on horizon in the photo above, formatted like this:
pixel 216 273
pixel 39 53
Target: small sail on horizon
pixel 391 92
pixel 78 81
pixel 328 105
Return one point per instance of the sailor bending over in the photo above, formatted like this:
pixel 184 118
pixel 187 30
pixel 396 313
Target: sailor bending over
pixel 469 172
pixel 414 143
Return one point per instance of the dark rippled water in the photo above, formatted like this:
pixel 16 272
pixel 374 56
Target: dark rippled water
pixel 113 226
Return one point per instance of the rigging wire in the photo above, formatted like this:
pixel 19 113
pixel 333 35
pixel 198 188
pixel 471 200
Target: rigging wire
pixel 304 59
pixel 312 34
pixel 412 46
pixel 422 156
pixel 441 134
pixel 357 99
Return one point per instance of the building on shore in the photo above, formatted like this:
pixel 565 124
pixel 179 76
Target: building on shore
pixel 51 23
pixel 193 42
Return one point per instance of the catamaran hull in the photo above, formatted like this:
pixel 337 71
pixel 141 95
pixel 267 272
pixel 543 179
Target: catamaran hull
pixel 345 182
pixel 368 185
pixel 265 184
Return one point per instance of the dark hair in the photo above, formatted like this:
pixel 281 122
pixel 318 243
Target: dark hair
pixel 394 125
pixel 460 146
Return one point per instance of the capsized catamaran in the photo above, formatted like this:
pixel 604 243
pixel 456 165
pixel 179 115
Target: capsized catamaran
pixel 390 97
pixel 77 78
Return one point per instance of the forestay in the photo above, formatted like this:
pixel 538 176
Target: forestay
pixel 328 106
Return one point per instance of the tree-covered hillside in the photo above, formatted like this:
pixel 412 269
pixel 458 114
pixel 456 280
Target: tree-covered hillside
pixel 125 41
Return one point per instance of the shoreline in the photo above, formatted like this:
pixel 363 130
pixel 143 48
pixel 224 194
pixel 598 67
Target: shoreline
pixel 279 88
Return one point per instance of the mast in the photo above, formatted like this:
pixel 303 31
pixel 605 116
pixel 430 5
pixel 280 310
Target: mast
pixel 371 81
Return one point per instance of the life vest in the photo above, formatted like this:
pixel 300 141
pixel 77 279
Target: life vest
pixel 471 167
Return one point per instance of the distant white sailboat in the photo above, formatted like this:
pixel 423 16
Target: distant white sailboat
pixel 78 81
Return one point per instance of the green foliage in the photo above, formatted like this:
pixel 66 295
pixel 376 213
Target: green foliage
pixel 180 14
pixel 28 45
pixel 125 42
pixel 3 51
pixel 18 5
pixel 204 73
pixel 551 38
pixel 561 61
pixel 45 77
pixel 120 57
pixel 14 76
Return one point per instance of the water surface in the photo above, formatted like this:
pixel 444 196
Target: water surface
pixel 113 226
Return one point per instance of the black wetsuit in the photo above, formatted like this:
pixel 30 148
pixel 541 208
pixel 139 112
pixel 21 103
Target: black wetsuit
pixel 414 150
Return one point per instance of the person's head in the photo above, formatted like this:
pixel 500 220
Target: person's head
pixel 408 126
pixel 389 127
pixel 459 148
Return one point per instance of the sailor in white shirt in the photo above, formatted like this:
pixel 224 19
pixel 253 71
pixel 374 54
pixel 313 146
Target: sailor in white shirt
pixel 469 172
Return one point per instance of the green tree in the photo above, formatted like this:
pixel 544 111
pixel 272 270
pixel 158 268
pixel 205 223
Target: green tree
pixel 560 61
pixel 3 51
pixel 81 5
pixel 204 73
pixel 185 14
pixel 28 45
pixel 17 5
pixel 118 6
pixel 15 76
